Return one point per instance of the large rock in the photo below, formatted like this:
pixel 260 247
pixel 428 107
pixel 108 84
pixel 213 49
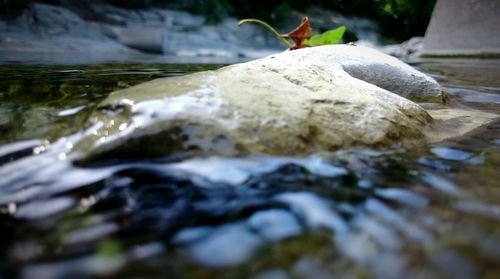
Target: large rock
pixel 464 28
pixel 299 101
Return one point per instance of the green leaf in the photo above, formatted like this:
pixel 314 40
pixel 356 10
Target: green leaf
pixel 330 37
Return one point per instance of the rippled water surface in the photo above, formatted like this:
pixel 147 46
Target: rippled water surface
pixel 430 213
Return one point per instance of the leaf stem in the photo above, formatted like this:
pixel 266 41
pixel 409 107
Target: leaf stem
pixel 281 37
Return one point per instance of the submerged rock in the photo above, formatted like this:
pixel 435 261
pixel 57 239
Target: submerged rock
pixel 295 102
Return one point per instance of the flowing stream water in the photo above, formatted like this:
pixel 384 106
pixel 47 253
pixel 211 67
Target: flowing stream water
pixel 350 213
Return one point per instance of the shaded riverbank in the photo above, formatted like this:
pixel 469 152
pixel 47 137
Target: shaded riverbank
pixel 102 33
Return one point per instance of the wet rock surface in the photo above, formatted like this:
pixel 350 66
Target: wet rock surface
pixel 429 213
pixel 295 102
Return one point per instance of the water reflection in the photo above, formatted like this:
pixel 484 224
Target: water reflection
pixel 221 221
pixel 393 213
pixel 225 246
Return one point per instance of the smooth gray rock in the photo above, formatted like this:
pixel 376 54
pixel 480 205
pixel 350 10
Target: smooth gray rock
pixel 295 102
pixel 464 27
pixel 144 38
pixel 409 50
pixel 58 32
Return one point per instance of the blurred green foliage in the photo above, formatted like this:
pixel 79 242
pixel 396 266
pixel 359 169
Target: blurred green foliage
pixel 399 19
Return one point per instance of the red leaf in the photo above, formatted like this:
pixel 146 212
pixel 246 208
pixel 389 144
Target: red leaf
pixel 299 34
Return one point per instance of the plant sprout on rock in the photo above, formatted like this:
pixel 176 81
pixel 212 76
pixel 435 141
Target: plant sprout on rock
pixel 302 34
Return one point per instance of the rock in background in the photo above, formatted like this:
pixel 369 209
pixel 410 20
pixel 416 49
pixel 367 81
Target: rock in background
pixel 81 32
pixel 47 31
pixel 464 28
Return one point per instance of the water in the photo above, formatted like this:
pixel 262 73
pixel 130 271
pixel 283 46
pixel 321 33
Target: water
pixel 431 213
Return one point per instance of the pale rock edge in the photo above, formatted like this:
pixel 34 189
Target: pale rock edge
pixel 291 103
